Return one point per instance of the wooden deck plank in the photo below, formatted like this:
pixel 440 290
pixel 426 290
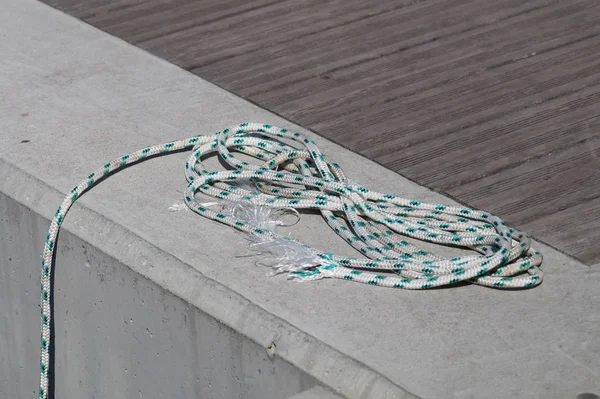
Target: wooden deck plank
pixel 493 103
pixel 583 240
pixel 393 50
pixel 576 164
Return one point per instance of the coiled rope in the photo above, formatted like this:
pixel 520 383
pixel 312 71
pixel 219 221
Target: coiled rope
pixel 299 176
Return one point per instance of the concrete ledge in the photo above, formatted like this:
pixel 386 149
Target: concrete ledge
pixel 127 267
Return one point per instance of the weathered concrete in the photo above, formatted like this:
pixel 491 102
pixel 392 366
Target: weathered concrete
pixel 118 333
pixel 74 98
pixel 315 393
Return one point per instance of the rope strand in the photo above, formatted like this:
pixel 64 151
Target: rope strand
pixel 299 176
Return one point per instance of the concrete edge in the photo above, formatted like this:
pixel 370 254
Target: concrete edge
pixel 335 370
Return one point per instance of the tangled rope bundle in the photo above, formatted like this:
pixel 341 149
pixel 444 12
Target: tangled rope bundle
pixel 299 176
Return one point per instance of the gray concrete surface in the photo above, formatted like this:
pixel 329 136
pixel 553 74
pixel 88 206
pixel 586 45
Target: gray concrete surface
pixel 315 393
pixel 118 334
pixel 74 98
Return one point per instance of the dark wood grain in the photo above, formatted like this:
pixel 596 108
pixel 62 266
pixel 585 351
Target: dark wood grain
pixel 495 103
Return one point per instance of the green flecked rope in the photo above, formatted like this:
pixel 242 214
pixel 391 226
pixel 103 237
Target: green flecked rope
pixel 299 176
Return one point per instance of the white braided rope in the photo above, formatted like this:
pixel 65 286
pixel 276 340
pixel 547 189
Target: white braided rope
pixel 373 223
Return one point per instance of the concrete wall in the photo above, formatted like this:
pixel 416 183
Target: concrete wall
pixel 118 334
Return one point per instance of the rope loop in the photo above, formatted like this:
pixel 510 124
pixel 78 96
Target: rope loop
pixel 289 172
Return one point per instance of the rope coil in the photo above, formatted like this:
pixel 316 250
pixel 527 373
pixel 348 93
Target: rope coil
pixel 299 176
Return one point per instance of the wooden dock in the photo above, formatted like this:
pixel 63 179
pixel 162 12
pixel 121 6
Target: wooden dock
pixel 494 103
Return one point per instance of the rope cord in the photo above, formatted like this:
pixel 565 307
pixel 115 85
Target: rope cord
pixel 299 176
